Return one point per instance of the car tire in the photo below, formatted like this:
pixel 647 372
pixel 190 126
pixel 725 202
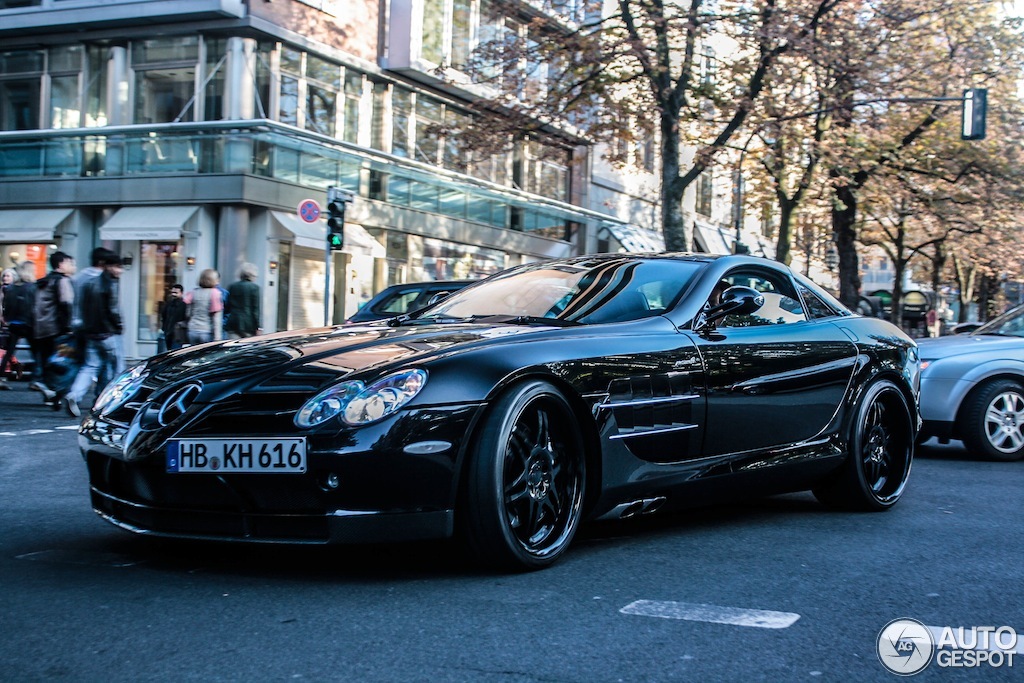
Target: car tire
pixel 525 480
pixel 881 449
pixel 992 421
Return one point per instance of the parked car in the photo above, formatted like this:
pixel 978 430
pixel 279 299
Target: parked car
pixel 597 387
pixel 400 299
pixel 972 387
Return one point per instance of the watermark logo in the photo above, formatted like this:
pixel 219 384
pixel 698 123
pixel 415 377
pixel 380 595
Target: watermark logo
pixel 905 647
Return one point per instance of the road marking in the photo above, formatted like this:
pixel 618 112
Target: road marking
pixel 32 432
pixel 37 431
pixel 80 557
pixel 75 427
pixel 735 616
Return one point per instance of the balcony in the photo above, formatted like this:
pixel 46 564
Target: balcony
pixel 282 153
pixel 23 17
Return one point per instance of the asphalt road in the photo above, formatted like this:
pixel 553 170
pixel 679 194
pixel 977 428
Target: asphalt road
pixel 83 601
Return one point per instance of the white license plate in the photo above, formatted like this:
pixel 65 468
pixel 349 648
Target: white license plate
pixel 281 456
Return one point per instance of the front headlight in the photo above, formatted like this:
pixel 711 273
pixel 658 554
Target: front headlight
pixel 359 404
pixel 121 389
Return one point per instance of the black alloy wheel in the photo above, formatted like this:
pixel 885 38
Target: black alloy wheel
pixel 881 449
pixel 992 422
pixel 525 480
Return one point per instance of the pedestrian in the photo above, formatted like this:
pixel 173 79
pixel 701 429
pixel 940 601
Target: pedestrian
pixel 97 257
pixel 224 296
pixel 7 278
pixel 243 305
pixel 174 313
pixel 205 309
pixel 18 311
pixel 54 304
pixel 101 330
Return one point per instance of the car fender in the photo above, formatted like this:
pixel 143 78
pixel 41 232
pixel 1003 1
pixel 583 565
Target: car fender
pixel 942 394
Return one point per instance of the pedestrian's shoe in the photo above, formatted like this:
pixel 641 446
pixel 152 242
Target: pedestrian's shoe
pixel 72 407
pixel 4 386
pixel 49 395
pixel 36 386
pixel 52 403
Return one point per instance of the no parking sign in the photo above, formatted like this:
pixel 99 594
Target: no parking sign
pixel 309 210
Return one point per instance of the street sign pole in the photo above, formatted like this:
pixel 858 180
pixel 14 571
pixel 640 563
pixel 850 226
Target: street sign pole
pixel 327 282
pixel 337 200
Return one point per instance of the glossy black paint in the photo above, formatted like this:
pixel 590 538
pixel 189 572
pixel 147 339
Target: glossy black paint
pixel 663 411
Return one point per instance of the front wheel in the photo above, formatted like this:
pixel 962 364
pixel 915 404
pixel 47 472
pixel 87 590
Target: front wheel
pixel 881 448
pixel 992 421
pixel 525 480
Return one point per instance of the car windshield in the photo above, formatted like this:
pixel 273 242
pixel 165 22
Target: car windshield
pixel 1010 323
pixel 575 292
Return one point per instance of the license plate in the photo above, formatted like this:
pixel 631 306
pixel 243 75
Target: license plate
pixel 280 456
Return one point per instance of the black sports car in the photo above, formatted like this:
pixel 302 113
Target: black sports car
pixel 552 393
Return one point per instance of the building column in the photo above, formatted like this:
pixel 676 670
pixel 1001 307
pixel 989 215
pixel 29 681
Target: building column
pixel 240 100
pixel 118 106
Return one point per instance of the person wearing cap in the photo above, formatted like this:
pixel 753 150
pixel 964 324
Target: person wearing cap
pixel 101 330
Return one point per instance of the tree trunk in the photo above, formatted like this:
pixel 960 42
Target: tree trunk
pixel 785 238
pixel 678 235
pixel 844 215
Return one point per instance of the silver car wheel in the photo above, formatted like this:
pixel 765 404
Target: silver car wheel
pixel 1004 418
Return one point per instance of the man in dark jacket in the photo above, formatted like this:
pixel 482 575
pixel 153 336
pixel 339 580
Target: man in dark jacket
pixel 54 302
pixel 243 304
pixel 18 311
pixel 173 313
pixel 101 329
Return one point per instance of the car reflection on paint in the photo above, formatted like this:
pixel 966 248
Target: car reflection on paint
pixel 596 387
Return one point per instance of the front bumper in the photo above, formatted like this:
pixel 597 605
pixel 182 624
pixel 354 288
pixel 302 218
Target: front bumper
pixel 361 485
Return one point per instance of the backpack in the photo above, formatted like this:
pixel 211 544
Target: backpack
pixel 19 301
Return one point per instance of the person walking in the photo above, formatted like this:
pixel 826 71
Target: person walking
pixel 243 305
pixel 18 311
pixel 7 278
pixel 173 313
pixel 54 302
pixel 205 309
pixel 101 329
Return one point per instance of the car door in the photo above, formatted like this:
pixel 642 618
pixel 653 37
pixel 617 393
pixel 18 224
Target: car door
pixel 773 378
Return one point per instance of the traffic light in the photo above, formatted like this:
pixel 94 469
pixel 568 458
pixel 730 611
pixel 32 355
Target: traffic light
pixel 973 114
pixel 337 202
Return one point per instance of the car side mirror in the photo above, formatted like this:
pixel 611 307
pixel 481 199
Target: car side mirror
pixel 738 300
pixel 438 297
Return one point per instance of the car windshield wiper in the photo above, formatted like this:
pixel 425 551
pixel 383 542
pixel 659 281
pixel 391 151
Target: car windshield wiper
pixel 439 318
pixel 530 320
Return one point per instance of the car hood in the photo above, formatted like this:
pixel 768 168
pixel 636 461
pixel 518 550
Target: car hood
pixel 958 345
pixel 331 351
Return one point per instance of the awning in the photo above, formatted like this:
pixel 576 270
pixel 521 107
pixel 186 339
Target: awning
pixel 314 235
pixel 634 238
pixel 151 223
pixel 712 239
pixel 29 226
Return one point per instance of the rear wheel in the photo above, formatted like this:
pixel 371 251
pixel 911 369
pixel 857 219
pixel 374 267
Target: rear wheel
pixel 992 421
pixel 881 448
pixel 525 480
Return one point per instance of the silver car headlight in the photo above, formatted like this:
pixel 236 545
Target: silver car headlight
pixel 360 404
pixel 118 392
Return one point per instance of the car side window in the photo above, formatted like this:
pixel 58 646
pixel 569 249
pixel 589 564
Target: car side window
pixel 816 308
pixel 781 304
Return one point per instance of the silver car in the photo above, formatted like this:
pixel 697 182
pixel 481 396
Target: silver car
pixel 972 387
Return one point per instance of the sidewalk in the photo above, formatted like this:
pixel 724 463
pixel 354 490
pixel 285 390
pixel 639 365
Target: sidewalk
pixel 21 409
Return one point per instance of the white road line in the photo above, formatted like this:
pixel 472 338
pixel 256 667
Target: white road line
pixel 970 635
pixel 736 616
pixel 37 431
pixel 75 427
pixel 8 433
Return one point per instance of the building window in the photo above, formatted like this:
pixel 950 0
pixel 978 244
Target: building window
pixel 291 74
pixel 20 78
pixel 705 192
pixel 323 80
pixel 429 113
pixel 353 102
pixel 708 68
pixel 165 79
pixel 401 116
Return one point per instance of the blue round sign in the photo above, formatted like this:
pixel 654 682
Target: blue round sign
pixel 309 210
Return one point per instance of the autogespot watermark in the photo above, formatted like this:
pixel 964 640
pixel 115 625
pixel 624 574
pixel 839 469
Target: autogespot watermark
pixel 906 646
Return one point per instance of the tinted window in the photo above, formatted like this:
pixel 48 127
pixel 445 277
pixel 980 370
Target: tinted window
pixel 816 308
pixel 781 305
pixel 587 291
pixel 398 302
